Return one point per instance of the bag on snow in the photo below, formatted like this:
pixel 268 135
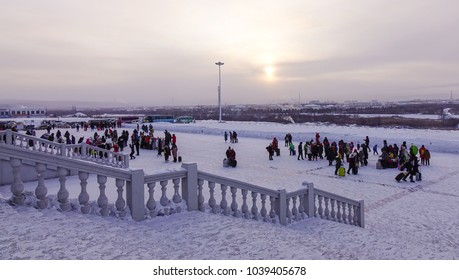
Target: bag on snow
pixel 342 171
pixel 401 175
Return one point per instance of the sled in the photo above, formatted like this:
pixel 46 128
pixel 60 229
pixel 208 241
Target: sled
pixel 278 152
pixel 401 175
pixel 342 171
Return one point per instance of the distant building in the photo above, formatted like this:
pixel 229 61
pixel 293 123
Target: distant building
pixel 4 113
pixel 23 112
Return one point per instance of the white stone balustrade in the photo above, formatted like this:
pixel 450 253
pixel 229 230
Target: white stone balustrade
pixel 80 151
pixel 188 189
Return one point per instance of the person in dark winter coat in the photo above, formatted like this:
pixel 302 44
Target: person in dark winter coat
pixel 160 147
pixel 338 164
pixel 412 167
pixel 167 152
pixel 270 150
pixel 367 143
pixel 131 155
pixel 300 151
pixel 331 155
pixel 231 157
pixel 365 154
pixel 353 159
pixel 174 151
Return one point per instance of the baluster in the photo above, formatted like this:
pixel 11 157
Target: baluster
pixel 344 216
pixel 164 200
pixel 102 201
pixel 63 194
pixel 333 212
pixel 327 210
pixel 224 203
pixel 356 216
pixel 151 203
pixel 289 213
pixel 120 203
pixel 321 209
pixel 176 198
pixel 301 208
pixel 263 210
pixel 17 187
pixel 234 205
pixel 295 214
pixel 338 214
pixel 212 202
pixel 315 206
pixel 200 195
pixel 254 209
pixel 83 197
pixel 21 141
pixel 245 207
pixel 272 212
pixel 40 190
pixel 349 217
pixel 40 145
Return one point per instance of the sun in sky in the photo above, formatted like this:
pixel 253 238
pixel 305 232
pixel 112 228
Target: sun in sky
pixel 269 73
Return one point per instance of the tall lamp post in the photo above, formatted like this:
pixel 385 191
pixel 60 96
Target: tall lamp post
pixel 219 90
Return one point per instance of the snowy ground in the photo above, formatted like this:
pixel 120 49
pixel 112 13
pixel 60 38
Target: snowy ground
pixel 403 220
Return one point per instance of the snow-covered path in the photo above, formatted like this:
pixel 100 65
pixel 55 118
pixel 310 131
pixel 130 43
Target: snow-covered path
pixel 403 220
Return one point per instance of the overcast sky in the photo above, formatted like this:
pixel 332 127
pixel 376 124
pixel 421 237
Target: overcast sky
pixel 164 52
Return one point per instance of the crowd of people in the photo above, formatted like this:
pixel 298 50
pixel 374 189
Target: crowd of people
pixel 111 140
pixel 355 154
pixel 338 153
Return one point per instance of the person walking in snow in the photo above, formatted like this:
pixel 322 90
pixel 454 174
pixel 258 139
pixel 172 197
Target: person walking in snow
pixel 167 152
pixel 174 151
pixel 300 151
pixel 270 150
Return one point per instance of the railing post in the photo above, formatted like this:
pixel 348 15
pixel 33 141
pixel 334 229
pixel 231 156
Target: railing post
pixel 62 147
pixel 9 137
pixel 135 192
pixel 83 150
pixel 282 207
pixel 190 186
pixel 126 161
pixel 362 214
pixel 311 201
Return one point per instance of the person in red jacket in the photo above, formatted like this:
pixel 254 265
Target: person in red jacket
pixel 422 154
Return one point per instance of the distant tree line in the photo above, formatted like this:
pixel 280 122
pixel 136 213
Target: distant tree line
pixel 333 115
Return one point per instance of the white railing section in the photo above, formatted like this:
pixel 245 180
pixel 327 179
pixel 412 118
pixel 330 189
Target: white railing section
pixel 264 204
pixel 79 151
pixel 148 196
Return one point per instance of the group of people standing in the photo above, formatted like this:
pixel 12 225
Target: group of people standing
pixel 356 155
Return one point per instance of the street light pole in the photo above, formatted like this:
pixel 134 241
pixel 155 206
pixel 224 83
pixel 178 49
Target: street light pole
pixel 219 90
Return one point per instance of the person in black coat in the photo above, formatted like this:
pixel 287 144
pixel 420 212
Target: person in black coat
pixel 270 150
pixel 412 166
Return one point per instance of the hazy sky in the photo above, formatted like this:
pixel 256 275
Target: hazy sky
pixel 164 52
